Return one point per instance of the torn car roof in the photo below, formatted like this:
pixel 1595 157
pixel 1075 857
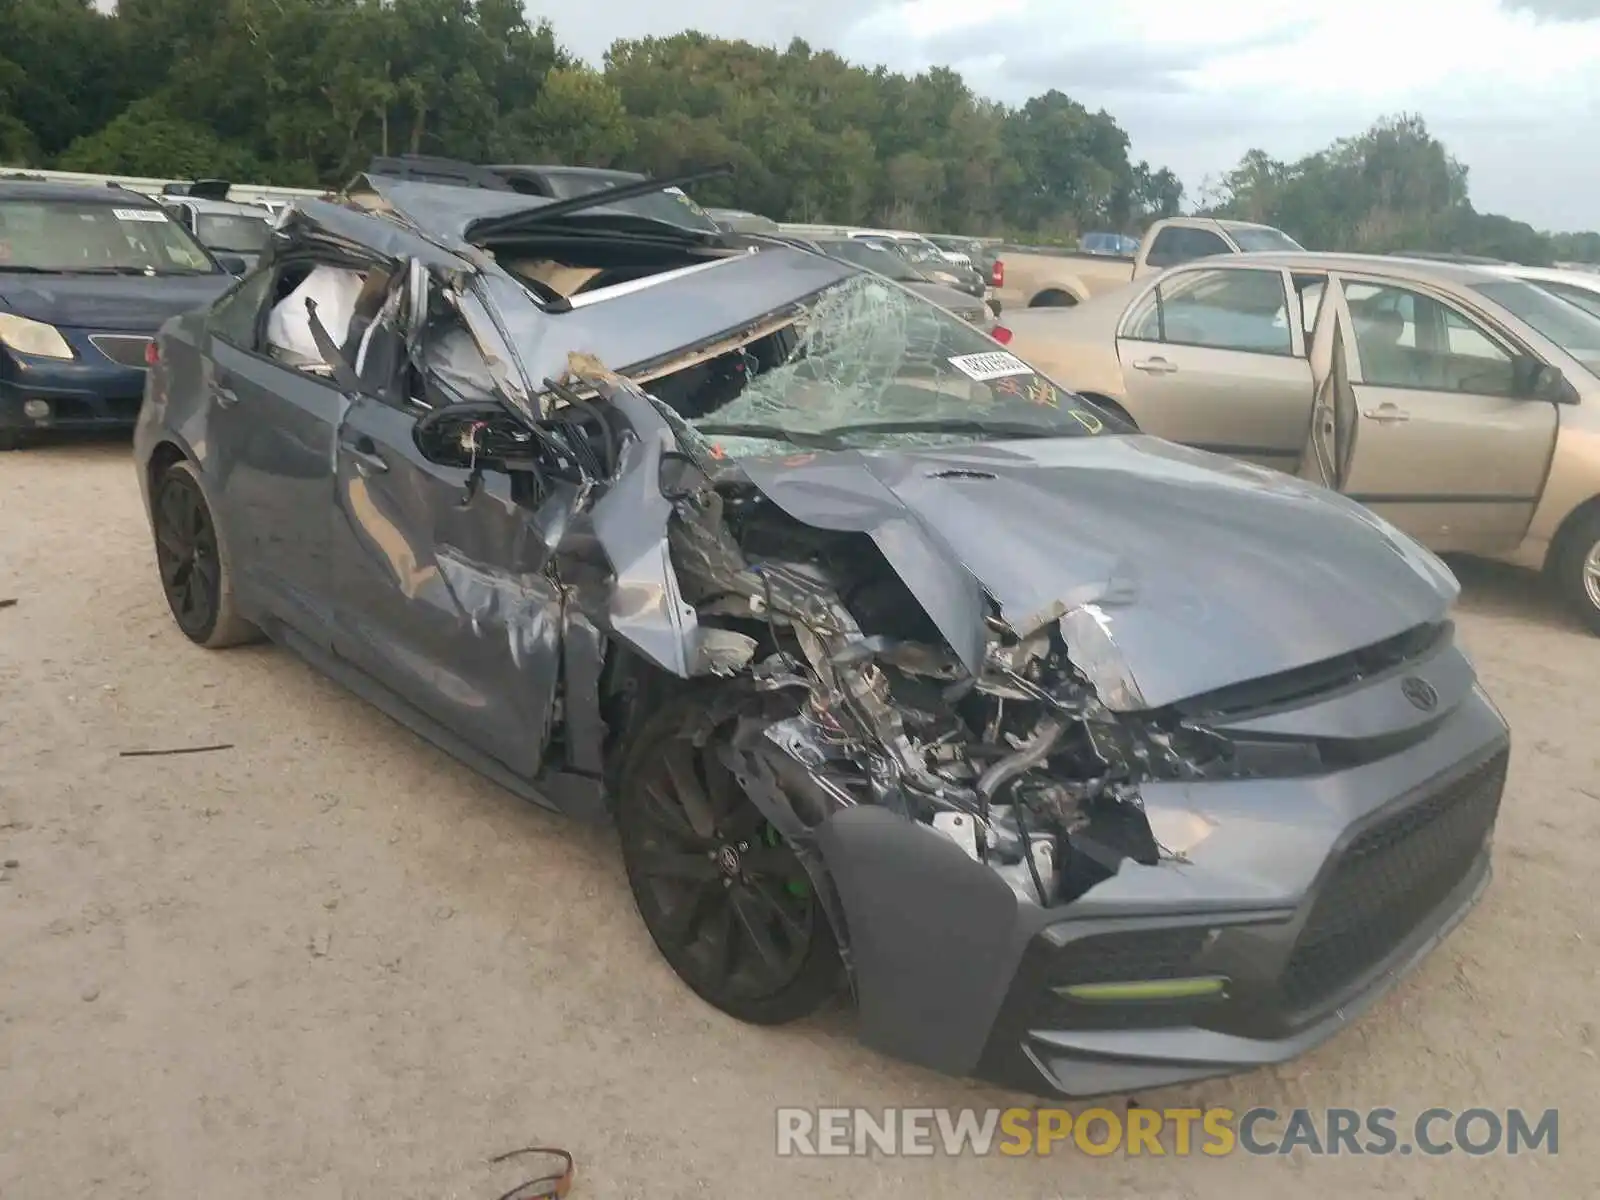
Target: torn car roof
pixel 660 316
pixel 447 212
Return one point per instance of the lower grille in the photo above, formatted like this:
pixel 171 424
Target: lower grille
pixel 1127 957
pixel 125 348
pixel 1388 881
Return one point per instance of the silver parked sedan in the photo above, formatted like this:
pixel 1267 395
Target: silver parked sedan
pixel 1461 403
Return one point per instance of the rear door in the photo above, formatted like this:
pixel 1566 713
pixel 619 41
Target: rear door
pixel 269 445
pixel 1445 445
pixel 1211 357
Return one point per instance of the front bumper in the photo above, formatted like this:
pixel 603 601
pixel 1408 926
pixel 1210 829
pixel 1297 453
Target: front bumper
pixel 1311 897
pixel 91 391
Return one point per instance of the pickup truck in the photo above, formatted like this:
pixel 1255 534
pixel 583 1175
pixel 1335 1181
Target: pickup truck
pixel 1035 277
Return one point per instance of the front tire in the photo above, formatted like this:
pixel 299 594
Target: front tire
pixel 724 897
pixel 192 557
pixel 1577 571
pixel 12 439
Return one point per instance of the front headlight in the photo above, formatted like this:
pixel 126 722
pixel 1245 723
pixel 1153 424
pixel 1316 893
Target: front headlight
pixel 33 337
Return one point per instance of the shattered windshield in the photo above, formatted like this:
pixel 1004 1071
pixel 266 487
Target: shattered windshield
pixel 864 364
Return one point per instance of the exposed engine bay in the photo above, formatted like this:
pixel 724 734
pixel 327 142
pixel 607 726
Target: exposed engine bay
pixel 845 687
pixel 1023 767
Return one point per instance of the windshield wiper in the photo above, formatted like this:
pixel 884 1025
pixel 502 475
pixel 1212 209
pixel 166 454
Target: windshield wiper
pixel 563 208
pixel 773 433
pixel 110 271
pixel 13 269
pixel 996 429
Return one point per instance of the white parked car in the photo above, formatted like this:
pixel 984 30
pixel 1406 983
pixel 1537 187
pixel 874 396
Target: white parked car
pixel 1576 287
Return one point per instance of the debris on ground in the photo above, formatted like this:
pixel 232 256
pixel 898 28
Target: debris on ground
pixel 176 750
pixel 545 1187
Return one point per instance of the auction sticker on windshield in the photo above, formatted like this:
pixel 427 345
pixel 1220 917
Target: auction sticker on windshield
pixel 996 364
pixel 140 214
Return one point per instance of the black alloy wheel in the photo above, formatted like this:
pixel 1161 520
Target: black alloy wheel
pixel 193 561
pixel 725 898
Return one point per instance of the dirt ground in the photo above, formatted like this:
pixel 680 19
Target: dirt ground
pixel 330 962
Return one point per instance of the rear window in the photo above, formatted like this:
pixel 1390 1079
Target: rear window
pixel 96 237
pixel 672 205
pixel 1567 325
pixel 234 231
pixel 1255 241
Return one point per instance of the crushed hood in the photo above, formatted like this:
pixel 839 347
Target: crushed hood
pixel 1177 572
pixel 136 303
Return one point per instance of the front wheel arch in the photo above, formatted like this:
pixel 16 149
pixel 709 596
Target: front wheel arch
pixel 1577 537
pixel 161 459
pixel 1111 406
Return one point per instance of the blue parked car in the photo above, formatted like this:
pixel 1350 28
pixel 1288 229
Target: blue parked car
pixel 87 275
pixel 1108 243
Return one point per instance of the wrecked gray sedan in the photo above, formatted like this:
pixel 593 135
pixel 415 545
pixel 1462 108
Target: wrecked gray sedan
pixel 1086 761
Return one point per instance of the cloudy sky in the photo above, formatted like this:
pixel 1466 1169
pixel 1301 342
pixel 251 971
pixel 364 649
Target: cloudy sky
pixel 1511 86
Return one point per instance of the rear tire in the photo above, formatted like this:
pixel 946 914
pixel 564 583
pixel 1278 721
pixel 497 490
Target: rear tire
pixel 1053 299
pixel 731 909
pixel 1577 570
pixel 194 563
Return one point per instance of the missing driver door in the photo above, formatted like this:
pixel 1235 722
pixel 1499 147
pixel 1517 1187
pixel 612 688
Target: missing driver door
pixel 442 592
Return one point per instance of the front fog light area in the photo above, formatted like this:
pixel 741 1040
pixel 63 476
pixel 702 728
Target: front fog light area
pixel 36 410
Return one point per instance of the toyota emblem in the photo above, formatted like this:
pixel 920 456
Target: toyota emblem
pixel 1420 692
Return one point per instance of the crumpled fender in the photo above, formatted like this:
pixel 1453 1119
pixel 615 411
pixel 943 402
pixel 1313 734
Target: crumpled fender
pixel 646 610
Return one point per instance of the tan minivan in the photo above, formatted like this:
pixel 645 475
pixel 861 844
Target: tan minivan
pixel 1460 404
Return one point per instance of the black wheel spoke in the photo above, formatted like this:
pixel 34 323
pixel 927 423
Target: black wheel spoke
pixel 764 901
pixel 666 816
pixel 690 865
pixel 205 568
pixel 172 513
pixel 722 789
pixel 689 791
pixel 757 930
pixel 742 822
pixel 773 862
pixel 681 921
pixel 171 568
pixel 719 944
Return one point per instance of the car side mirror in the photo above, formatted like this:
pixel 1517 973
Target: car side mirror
pixel 1538 380
pixel 232 264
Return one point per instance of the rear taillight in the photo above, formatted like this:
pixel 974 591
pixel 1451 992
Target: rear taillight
pixel 1001 334
pixel 152 353
pixel 997 274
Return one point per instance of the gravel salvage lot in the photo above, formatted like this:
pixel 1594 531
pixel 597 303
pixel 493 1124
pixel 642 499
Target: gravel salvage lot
pixel 331 962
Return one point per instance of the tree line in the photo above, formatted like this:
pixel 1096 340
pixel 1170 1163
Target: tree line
pixel 305 92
